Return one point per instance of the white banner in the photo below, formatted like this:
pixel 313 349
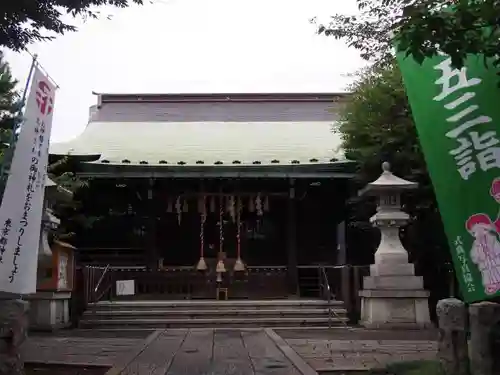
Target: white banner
pixel 22 204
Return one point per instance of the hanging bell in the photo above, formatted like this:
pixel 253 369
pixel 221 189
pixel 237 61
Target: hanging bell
pixel 220 267
pixel 239 265
pixel 202 265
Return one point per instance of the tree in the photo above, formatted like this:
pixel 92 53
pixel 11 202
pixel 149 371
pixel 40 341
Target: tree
pixel 375 126
pixel 69 210
pixel 10 105
pixel 27 21
pixel 422 26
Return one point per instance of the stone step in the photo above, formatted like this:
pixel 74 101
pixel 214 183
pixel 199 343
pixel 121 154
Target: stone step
pixel 212 322
pixel 216 305
pixel 211 314
pixel 203 313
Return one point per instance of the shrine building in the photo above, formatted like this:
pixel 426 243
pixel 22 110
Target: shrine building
pixel 191 191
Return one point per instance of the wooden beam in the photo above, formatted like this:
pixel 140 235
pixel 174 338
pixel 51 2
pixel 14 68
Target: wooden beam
pixel 212 174
pixel 340 169
pixel 291 229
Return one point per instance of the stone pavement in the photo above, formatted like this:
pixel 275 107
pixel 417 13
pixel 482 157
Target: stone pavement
pixel 340 350
pixel 235 351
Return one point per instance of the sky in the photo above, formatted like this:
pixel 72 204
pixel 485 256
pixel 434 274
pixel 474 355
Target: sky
pixel 191 46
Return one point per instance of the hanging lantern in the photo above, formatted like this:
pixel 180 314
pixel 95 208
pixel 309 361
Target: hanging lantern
pixel 170 207
pixel 238 265
pixel 266 204
pixel 178 209
pixel 258 205
pixel 185 206
pixel 251 205
pixel 219 277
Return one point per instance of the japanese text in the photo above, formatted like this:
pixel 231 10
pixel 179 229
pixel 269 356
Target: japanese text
pixel 464 265
pixel 476 149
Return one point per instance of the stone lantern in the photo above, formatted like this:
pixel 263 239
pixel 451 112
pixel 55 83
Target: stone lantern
pixel 392 295
pixel 49 308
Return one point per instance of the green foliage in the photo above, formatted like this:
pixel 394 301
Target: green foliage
pixel 10 105
pixel 69 211
pixel 61 173
pixel 26 21
pixel 376 124
pixel 423 27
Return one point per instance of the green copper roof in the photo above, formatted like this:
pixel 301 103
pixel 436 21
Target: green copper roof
pixel 206 143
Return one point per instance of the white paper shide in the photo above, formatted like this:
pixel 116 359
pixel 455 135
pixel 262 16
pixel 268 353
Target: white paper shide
pixel 22 205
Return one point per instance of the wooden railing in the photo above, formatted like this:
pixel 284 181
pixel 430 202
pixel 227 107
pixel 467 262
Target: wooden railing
pixel 182 283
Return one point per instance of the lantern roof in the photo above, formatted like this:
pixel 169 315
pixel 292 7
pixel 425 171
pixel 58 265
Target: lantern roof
pixel 387 182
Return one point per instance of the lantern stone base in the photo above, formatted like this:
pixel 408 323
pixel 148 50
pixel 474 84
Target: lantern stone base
pixel 394 302
pixel 49 311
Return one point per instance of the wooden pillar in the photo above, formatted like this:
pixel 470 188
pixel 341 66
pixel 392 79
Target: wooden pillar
pixel 345 272
pixel 151 256
pixel 293 288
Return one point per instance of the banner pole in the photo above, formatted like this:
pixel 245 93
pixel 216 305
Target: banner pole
pixel 13 138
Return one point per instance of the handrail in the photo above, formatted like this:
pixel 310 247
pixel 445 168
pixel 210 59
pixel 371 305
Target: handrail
pixel 101 278
pixel 327 294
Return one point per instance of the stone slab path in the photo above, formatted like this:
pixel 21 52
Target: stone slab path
pixel 175 352
pixel 77 351
pixel 235 352
pixel 336 351
pixel 359 355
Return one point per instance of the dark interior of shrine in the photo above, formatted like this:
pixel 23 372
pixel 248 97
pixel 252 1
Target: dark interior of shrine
pixel 139 221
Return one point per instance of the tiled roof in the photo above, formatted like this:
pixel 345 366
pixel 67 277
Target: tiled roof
pixel 205 143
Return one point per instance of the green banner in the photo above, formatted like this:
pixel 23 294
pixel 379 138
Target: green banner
pixel 457 113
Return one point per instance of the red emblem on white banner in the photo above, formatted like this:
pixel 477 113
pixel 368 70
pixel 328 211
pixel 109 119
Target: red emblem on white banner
pixel 44 98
